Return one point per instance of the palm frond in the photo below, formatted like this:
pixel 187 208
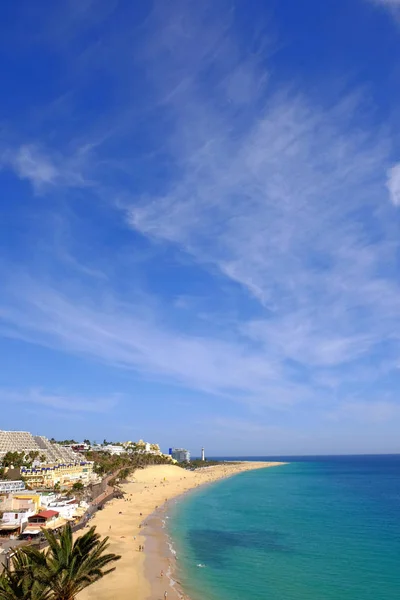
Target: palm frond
pixel 59 573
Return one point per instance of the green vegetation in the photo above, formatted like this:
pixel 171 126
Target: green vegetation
pixel 19 459
pixel 59 573
pixel 63 442
pixel 124 464
pixel 78 486
pixel 201 464
pixel 19 580
pixel 124 473
pixel 33 455
pixel 13 459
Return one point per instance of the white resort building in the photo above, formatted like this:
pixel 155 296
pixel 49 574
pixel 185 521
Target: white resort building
pixel 8 486
pixel 142 447
pixel 110 448
pixel 180 454
pixel 23 441
pixel 55 465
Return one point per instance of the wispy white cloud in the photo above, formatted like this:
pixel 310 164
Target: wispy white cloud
pixel 273 203
pixel 248 367
pixel 286 201
pixel 392 7
pixel 30 164
pixel 387 2
pixel 278 193
pixel 130 337
pixel 55 401
pixel 45 169
pixel 376 412
pixel 314 344
pixel 393 184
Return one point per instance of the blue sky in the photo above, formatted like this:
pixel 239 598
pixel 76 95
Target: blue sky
pixel 199 234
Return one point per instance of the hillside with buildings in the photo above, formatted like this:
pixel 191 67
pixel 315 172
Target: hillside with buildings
pixel 36 446
pixel 41 463
pixel 43 483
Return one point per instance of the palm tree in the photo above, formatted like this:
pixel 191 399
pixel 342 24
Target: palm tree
pixel 33 454
pixel 19 580
pixel 60 573
pixel 72 566
pixel 78 486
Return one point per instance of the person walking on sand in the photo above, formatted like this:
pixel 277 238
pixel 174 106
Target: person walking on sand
pixel 165 595
pixel 162 573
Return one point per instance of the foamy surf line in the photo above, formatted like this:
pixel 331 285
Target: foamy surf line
pixel 160 565
pixel 161 556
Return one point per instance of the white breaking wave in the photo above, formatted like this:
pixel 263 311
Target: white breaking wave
pixel 172 549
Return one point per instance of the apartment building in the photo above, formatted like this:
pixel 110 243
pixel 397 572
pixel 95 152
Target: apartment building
pixel 110 448
pixel 16 441
pixel 23 441
pixel 180 454
pixel 6 486
pixel 65 475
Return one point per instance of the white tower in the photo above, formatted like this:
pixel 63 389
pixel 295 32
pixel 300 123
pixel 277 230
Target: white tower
pixel 202 454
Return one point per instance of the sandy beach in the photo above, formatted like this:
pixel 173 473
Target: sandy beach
pixel 136 520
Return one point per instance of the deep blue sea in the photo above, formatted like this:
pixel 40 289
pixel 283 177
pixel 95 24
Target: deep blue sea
pixel 324 528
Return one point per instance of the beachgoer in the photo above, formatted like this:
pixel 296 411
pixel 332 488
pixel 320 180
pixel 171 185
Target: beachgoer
pixel 140 548
pixel 162 574
pixel 165 595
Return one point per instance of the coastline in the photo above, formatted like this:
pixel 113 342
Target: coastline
pixel 136 520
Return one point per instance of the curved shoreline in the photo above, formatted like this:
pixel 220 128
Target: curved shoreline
pixel 136 520
pixel 160 554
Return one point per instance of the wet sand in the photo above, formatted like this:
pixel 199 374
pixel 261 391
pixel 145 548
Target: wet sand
pixel 137 520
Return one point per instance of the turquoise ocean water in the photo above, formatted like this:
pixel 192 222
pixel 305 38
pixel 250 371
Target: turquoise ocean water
pixel 323 529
